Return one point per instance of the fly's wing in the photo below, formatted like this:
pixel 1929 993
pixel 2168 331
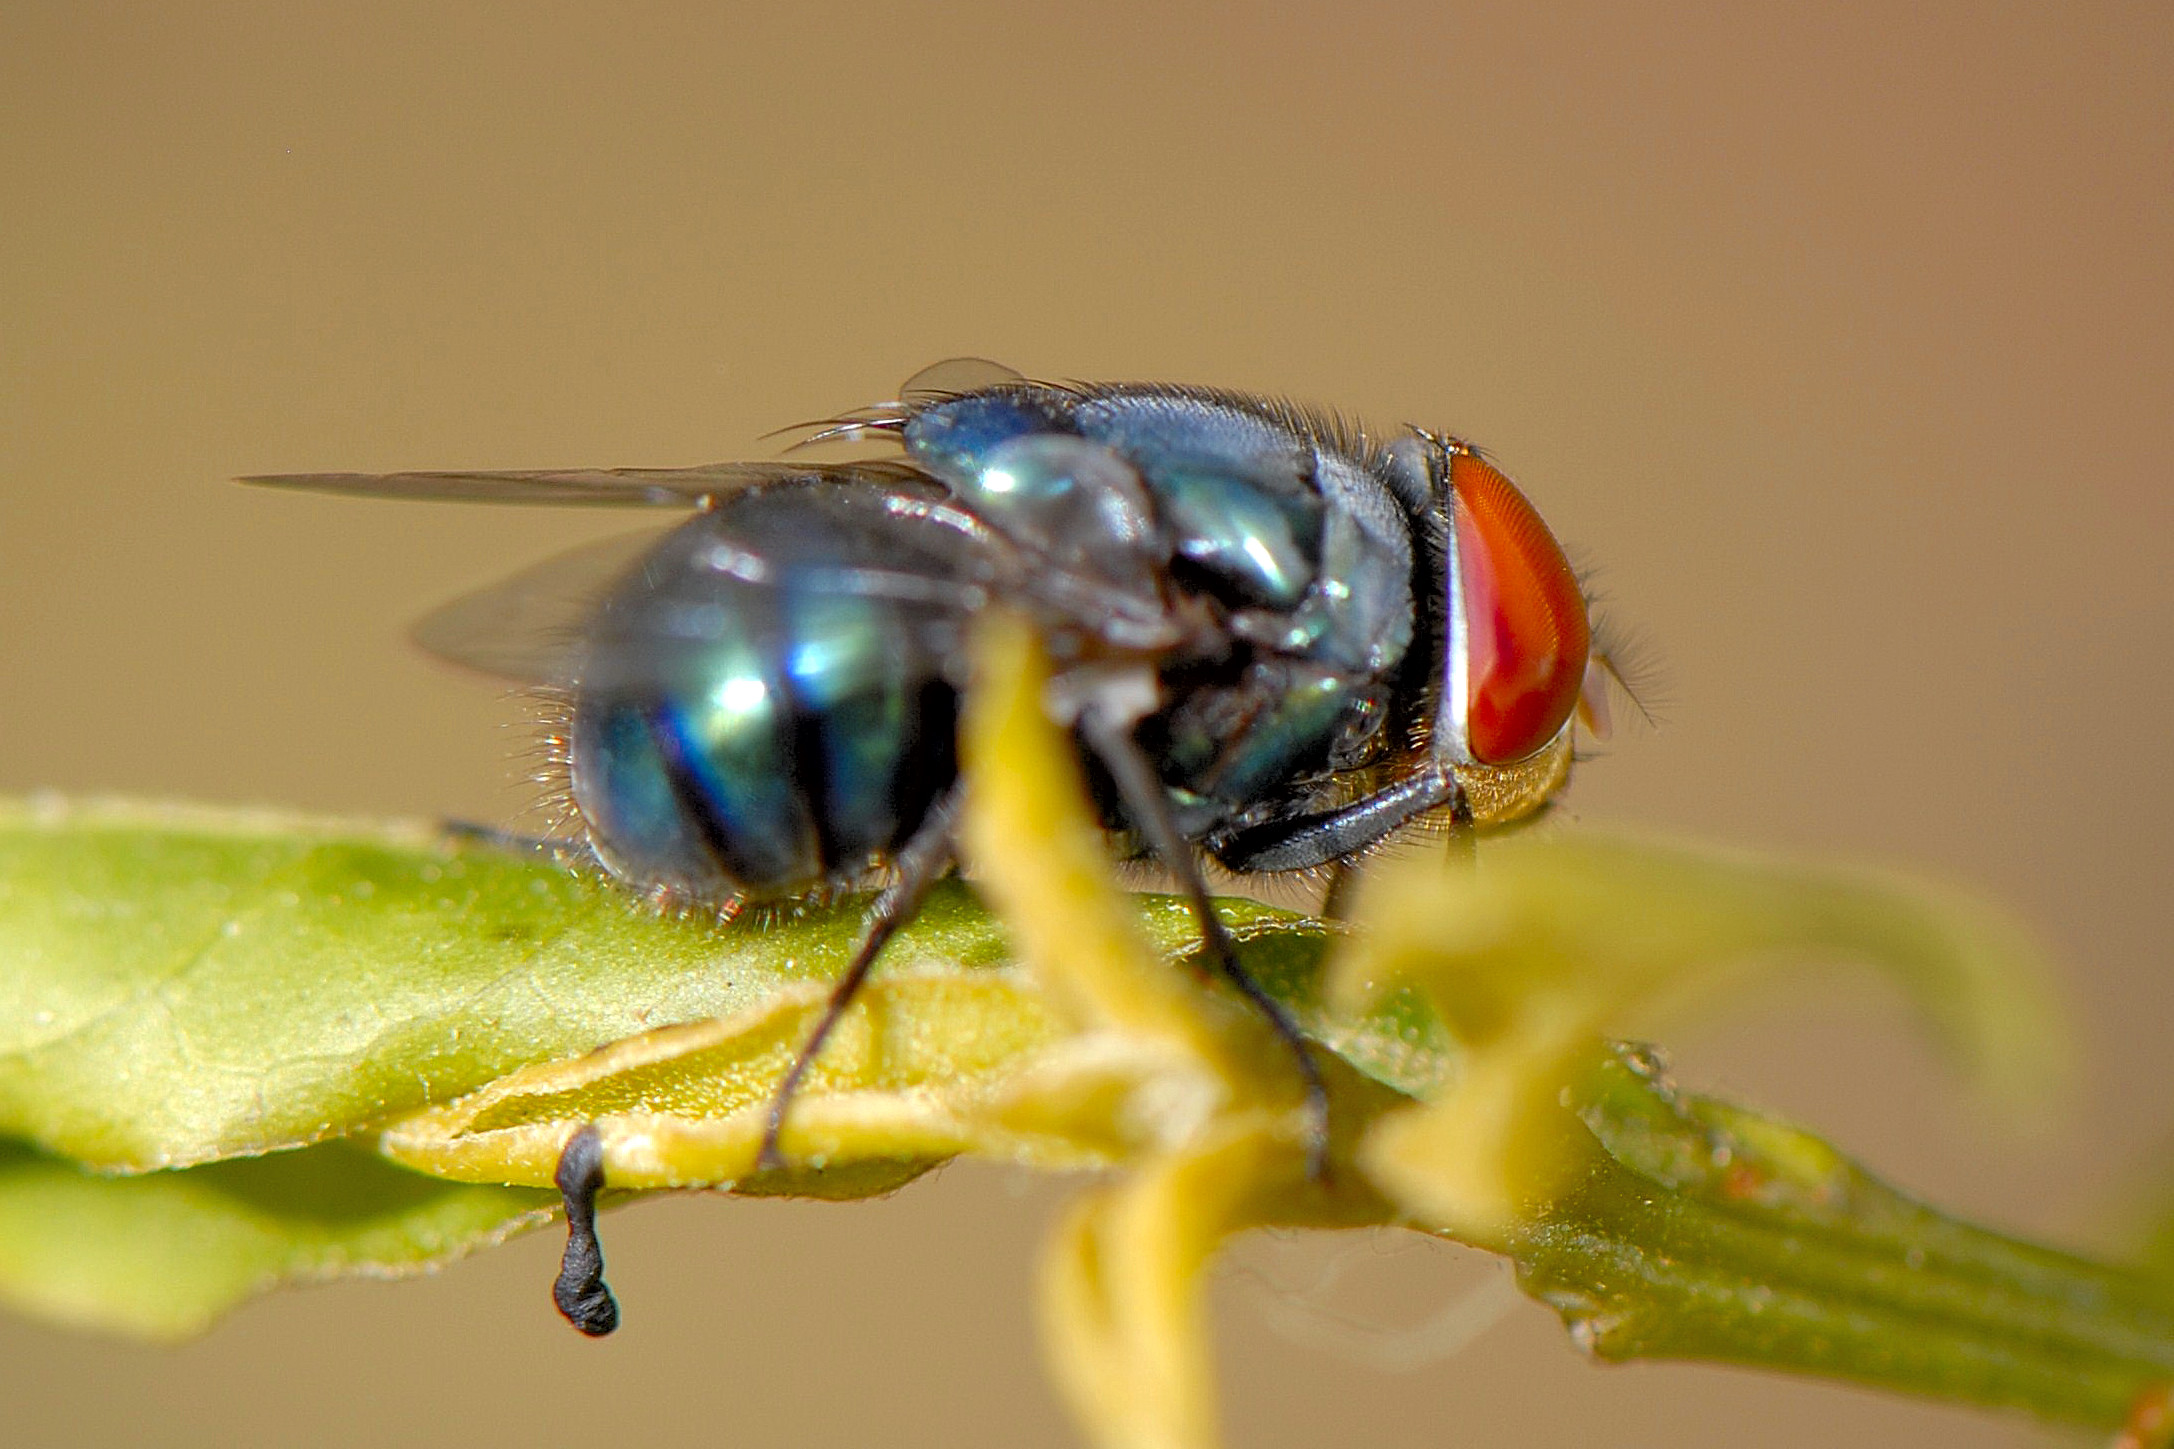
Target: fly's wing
pixel 529 628
pixel 578 487
pixel 615 613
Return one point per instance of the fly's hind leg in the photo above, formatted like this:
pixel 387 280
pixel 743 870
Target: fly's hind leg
pixel 580 1292
pixel 563 850
pixel 920 863
pixel 1148 807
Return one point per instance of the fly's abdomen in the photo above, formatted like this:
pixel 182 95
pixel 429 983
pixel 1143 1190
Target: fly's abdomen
pixel 763 706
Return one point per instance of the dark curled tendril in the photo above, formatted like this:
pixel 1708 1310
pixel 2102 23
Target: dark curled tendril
pixel 580 1292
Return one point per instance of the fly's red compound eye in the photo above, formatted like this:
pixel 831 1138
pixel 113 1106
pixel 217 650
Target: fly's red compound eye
pixel 1525 635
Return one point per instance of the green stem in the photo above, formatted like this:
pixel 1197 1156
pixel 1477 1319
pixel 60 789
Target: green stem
pixel 1711 1233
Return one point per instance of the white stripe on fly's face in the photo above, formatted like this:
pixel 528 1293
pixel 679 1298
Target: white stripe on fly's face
pixel 1452 726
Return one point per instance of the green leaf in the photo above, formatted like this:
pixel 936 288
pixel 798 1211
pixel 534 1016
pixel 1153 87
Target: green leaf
pixel 1708 1232
pixel 162 1255
pixel 180 985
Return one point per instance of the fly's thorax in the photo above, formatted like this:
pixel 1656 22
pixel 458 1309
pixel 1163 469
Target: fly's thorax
pixel 766 703
pixel 1277 519
pixel 1240 741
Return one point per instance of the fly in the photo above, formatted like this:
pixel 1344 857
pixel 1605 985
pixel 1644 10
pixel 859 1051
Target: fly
pixel 1277 639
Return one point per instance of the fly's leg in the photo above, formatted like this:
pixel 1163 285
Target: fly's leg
pixel 920 863
pixel 1336 895
pixel 1462 842
pixel 1298 842
pixel 580 1292
pixel 1149 810
pixel 1344 870
pixel 564 851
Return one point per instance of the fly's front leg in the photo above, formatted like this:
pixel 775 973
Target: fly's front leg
pixel 1327 837
pixel 1148 806
pixel 1463 841
pixel 920 864
pixel 1336 838
pixel 1336 895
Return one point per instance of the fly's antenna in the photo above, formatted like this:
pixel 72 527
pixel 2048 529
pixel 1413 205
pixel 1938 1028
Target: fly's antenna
pixel 1624 664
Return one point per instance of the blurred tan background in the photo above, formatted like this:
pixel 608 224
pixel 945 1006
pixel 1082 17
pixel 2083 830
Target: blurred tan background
pixel 1843 339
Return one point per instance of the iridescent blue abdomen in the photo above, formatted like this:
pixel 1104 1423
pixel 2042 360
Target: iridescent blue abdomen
pixel 761 706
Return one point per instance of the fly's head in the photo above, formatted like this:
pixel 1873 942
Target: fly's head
pixel 1517 661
